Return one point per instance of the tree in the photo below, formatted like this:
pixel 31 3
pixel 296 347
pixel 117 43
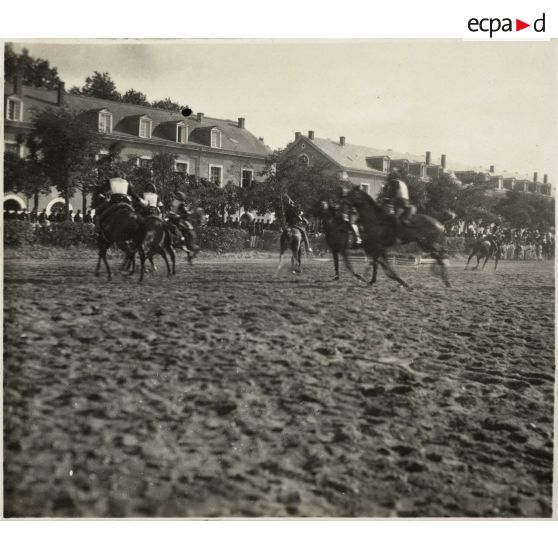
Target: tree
pixel 135 97
pixel 25 176
pixel 34 71
pixel 99 85
pixel 167 104
pixel 63 145
pixel 526 211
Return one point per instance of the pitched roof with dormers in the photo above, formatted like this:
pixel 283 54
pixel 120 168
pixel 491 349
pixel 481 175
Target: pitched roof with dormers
pixel 233 138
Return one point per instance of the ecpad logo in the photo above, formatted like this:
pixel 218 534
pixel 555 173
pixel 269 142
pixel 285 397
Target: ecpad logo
pixel 494 25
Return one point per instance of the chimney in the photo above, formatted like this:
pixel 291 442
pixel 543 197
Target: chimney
pixel 342 140
pixel 18 85
pixel 428 157
pixel 61 93
pixel 535 177
pixel 443 162
pixel 545 178
pixel 261 139
pixel 311 134
pixel 491 168
pixel 200 116
pixel 297 135
pixel 241 122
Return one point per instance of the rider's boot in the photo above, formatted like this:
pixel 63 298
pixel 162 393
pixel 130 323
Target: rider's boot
pixel 358 239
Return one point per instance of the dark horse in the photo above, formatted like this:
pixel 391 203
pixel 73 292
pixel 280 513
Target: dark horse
pixel 378 234
pixel 156 239
pixel 483 249
pixel 338 237
pixel 291 238
pixel 119 224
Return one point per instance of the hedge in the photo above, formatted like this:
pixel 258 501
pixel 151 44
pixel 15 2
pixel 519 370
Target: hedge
pixel 67 234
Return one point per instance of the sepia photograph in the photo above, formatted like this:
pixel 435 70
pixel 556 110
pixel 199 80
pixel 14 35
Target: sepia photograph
pixel 279 278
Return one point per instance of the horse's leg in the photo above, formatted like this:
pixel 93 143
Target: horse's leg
pixel 470 257
pixel 485 260
pixel 164 256
pixel 172 255
pixel 443 263
pixel 335 265
pixel 282 249
pixel 390 272
pixel 349 265
pixel 496 259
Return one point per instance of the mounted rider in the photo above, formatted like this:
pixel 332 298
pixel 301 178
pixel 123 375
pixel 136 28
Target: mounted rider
pixel 396 200
pixel 350 216
pixel 180 222
pixel 113 192
pixel 295 218
pixel 149 202
pixel 493 237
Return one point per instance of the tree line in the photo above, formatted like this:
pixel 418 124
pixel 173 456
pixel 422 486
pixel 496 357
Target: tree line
pixel 37 72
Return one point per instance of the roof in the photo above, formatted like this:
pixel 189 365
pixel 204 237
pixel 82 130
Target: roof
pixel 234 138
pixel 354 156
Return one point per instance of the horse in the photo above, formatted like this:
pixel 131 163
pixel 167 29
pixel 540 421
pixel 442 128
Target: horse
pixel 378 234
pixel 119 224
pixel 291 238
pixel 483 249
pixel 156 240
pixel 338 238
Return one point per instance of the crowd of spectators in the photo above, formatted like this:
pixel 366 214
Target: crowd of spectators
pixel 42 218
pixel 515 244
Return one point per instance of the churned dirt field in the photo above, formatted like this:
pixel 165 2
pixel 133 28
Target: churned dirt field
pixel 229 391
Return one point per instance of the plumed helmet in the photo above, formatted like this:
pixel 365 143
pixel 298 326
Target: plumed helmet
pixel 180 196
pixel 150 188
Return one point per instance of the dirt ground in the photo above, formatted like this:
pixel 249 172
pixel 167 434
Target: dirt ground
pixel 229 391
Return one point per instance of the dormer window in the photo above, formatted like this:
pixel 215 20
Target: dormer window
pixel 14 109
pixel 215 138
pixel 105 122
pixel 145 125
pixel 181 133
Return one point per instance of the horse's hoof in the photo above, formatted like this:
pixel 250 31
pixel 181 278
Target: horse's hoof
pixel 335 278
pixel 360 278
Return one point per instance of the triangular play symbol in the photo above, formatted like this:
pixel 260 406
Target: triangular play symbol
pixel 519 25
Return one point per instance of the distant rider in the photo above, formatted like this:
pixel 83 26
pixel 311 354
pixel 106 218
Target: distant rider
pixel 294 218
pixel 396 200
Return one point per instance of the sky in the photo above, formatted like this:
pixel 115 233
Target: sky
pixel 480 103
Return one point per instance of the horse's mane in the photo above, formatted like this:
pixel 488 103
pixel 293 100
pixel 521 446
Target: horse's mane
pixel 369 200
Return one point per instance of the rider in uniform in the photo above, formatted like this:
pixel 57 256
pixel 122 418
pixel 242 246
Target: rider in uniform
pixel 493 237
pixel 115 191
pixel 294 218
pixel 396 200
pixel 180 220
pixel 150 200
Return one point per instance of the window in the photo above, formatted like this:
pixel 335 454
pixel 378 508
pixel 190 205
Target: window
pixel 182 133
pixel 11 147
pixel 215 138
pixel 216 174
pixel 13 109
pixel 105 122
pixel 303 159
pixel 246 177
pixel 365 187
pixel 181 167
pixel 145 128
pixel 144 162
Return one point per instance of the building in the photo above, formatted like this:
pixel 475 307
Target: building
pixel 506 181
pixel 366 167
pixel 216 149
